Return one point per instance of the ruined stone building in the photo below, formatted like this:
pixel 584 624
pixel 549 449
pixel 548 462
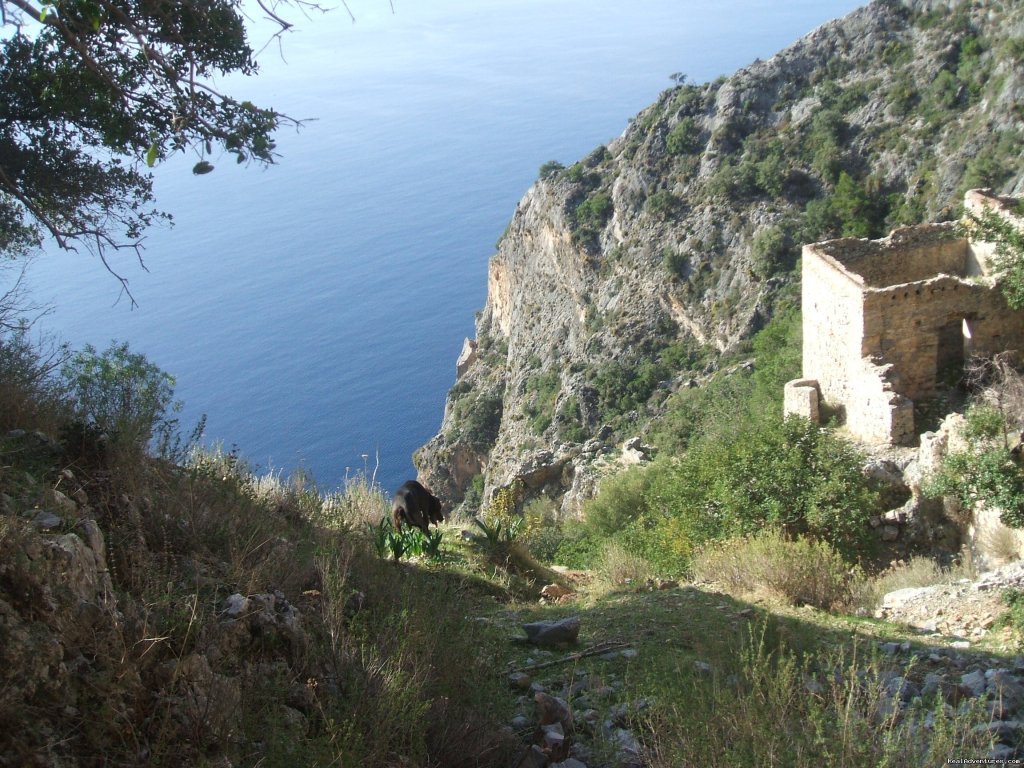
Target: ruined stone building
pixel 884 321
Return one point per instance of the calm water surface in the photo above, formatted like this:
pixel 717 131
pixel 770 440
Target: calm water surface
pixel 314 310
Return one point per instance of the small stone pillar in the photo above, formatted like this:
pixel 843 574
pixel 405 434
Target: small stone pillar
pixel 801 399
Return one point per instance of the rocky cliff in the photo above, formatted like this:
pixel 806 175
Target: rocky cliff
pixel 637 270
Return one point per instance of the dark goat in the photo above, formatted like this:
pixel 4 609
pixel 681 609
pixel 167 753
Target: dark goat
pixel 415 505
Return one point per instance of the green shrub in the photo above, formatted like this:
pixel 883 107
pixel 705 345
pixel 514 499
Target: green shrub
pixel 740 398
pixel 684 138
pixel 666 543
pixel 1014 615
pixel 620 501
pixel 569 419
pixel 986 472
pixel 983 475
pixel 1008 258
pixel 542 530
pixel 787 474
pixel 576 173
pixel 550 169
pixel 625 385
pixel 478 418
pixel 825 143
pixel 594 211
pixel 677 264
pixel 778 357
pixel 618 567
pixel 984 422
pixel 769 251
pixel 577 546
pixel 903 95
pixel 662 204
pixel 122 394
pixel 855 208
pixel 31 395
pixel 800 571
pixel 542 390
pixel 474 493
pixel 858 206
pixel 943 92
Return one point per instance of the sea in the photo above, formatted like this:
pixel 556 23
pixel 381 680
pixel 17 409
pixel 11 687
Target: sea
pixel 313 310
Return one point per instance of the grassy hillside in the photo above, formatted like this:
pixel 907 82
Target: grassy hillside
pixel 164 606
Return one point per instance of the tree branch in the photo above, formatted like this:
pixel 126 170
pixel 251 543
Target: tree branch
pixel 594 650
pixel 63 237
pixel 35 13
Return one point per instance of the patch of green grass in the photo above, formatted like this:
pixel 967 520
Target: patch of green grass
pixel 735 683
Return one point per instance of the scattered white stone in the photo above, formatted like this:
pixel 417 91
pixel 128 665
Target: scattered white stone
pixel 572 762
pixel 520 680
pixel 235 605
pixel 901 597
pixel 46 520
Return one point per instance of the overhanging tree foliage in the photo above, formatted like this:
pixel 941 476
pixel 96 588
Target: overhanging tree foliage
pixel 1008 258
pixel 93 93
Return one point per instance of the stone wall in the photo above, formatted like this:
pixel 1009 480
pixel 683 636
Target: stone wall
pixel 886 321
pixel 909 254
pixel 832 327
pixel 928 327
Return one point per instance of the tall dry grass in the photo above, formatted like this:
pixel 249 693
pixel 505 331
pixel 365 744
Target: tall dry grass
pixel 839 707
pixel 800 571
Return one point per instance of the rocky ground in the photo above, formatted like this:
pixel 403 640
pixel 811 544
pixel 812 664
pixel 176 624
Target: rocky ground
pixel 962 613
pixel 948 640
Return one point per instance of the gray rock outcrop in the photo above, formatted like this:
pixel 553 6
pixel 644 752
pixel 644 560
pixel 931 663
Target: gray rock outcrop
pixel 622 278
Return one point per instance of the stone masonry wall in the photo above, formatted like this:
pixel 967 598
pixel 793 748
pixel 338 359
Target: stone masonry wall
pixel 924 328
pixel 909 254
pixel 919 329
pixel 884 320
pixel 832 327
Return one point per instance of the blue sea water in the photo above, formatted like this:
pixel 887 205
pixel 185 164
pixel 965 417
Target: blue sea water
pixel 314 310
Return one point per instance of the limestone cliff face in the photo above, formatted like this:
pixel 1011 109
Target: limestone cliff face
pixel 628 274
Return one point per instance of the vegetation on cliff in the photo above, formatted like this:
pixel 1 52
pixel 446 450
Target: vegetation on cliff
pixel 633 275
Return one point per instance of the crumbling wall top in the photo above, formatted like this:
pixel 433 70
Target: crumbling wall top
pixel 909 254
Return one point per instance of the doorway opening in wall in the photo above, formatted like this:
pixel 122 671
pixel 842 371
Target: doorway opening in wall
pixel 954 349
pixel 955 346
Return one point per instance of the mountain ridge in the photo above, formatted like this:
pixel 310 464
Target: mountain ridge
pixel 644 266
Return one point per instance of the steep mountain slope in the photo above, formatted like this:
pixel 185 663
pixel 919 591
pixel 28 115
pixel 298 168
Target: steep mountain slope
pixel 626 275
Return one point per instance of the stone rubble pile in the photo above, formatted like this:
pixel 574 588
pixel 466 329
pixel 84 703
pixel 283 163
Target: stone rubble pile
pixel 562 717
pixel 962 682
pixel 965 610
